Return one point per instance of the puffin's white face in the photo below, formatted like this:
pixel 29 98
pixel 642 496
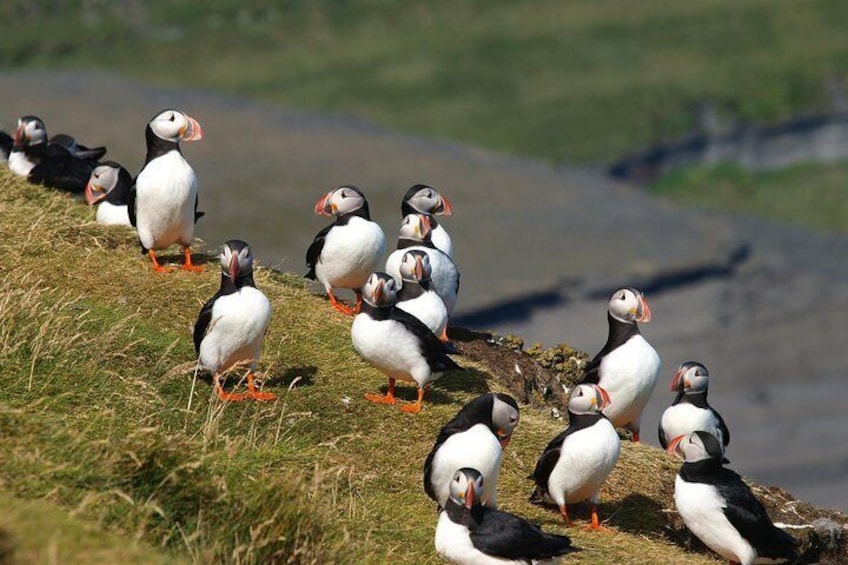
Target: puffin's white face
pixel 415 266
pixel 505 419
pixel 691 377
pixel 628 305
pixel 340 201
pixel 30 132
pixel 466 488
pixel 696 446
pixel 102 180
pixel 428 201
pixel 173 125
pixel 588 399
pixel 415 227
pixel 379 290
pixel 236 258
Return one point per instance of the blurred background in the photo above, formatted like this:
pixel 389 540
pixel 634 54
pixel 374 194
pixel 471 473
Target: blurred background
pixel 698 151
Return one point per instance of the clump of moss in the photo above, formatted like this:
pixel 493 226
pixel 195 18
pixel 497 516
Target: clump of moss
pixel 566 362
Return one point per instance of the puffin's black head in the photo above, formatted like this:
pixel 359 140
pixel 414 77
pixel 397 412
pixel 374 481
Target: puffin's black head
pixel 505 417
pixel 379 290
pixel 588 399
pixel 691 377
pixel 342 200
pixel 30 132
pixel 425 199
pixel 104 179
pixel 629 305
pixel 415 227
pixel 175 126
pixel 466 487
pixel 697 446
pixel 415 266
pixel 236 259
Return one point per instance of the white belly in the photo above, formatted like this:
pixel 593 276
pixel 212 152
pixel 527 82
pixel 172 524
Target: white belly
pixel 110 215
pixel 683 419
pixel 166 192
pixel 236 331
pixel 475 448
pixel 453 543
pixel 700 506
pixel 350 254
pixel 442 240
pixel 629 374
pixel 389 347
pixel 586 460
pixel 444 276
pixel 428 308
pixel 19 164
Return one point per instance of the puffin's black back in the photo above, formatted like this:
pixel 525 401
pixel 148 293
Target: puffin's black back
pixel 60 170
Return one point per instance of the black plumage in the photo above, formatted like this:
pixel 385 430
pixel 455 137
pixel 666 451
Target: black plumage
pixel 6 143
pixel 619 333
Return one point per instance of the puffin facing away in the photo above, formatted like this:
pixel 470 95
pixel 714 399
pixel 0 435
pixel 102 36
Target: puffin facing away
pixel 469 533
pixel 720 509
pixel 417 295
pixel 474 438
pixel 424 199
pixel 231 326
pixel 345 253
pixel 576 463
pixel 396 342
pixel 628 366
pixel 163 203
pixel 109 188
pixel 690 411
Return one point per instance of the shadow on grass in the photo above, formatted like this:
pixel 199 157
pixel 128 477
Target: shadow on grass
pixel 7 548
pixel 470 381
pixel 306 373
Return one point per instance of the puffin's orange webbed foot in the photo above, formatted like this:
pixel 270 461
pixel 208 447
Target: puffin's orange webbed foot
pixel 255 394
pixel 596 523
pixel 339 305
pixel 156 266
pixel 188 265
pixel 226 396
pixel 414 408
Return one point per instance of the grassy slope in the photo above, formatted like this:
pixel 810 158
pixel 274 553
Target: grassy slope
pixel 96 430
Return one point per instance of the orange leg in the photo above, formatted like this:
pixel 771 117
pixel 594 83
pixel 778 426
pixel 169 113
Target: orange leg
pixel 338 305
pixel 444 336
pixel 564 512
pixel 188 265
pixel 636 437
pixel 414 408
pixel 156 266
pixel 254 393
pixel 596 523
pixel 380 399
pixel 226 396
pixel 358 305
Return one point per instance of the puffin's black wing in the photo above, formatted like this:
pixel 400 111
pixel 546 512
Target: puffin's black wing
pixel 661 435
pixel 722 426
pixel 62 171
pixel 748 516
pixel 197 215
pixel 314 251
pixel 592 372
pixel 432 348
pixel 545 465
pixel 202 323
pixel 6 143
pixel 505 535
pixel 131 204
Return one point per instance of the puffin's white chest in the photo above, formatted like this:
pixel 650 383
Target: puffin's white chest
pixel 166 192
pixel 236 331
pixel 629 374
pixel 586 460
pixel 684 418
pixel 391 348
pixel 476 448
pixel 350 254
pixel 700 505
pixel 453 542
pixel 442 240
pixel 428 308
pixel 109 214
pixel 444 276
pixel 20 164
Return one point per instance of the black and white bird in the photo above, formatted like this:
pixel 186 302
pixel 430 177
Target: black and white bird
pixel 109 188
pixel 415 234
pixel 576 463
pixel 163 202
pixel 345 253
pixel 231 326
pixel 474 438
pixel 424 199
pixel 628 366
pixel 469 533
pixel 417 295
pixel 690 411
pixel 396 342
pixel 720 509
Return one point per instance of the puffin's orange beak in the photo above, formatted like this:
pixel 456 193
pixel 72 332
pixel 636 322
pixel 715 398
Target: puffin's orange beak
pixel 469 496
pixel 324 205
pixel 675 382
pixel 378 291
pixel 90 197
pixel 672 445
pixel 192 130
pixel 234 266
pixel 646 312
pixel 444 208
pixel 419 268
pixel 605 399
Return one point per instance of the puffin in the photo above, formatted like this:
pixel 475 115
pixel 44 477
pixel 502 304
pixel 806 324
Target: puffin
pixel 475 437
pixel 628 366
pixel 231 326
pixel 396 342
pixel 719 508
pixel 415 234
pixel 162 203
pixel 109 188
pixel 417 295
pixel 345 253
pixel 690 411
pixel 469 533
pixel 575 464
pixel 58 163
pixel 6 143
pixel 424 199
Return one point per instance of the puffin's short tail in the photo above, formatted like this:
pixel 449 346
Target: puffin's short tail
pixel 311 274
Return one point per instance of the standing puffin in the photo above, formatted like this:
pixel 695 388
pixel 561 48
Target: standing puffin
pixel 690 411
pixel 162 204
pixel 720 509
pixel 109 187
pixel 345 253
pixel 415 234
pixel 396 342
pixel 474 438
pixel 469 533
pixel 576 463
pixel 417 295
pixel 424 199
pixel 231 326
pixel 628 366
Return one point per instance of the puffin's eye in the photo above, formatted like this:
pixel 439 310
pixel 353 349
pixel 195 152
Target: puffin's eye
pixel 623 296
pixel 172 118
